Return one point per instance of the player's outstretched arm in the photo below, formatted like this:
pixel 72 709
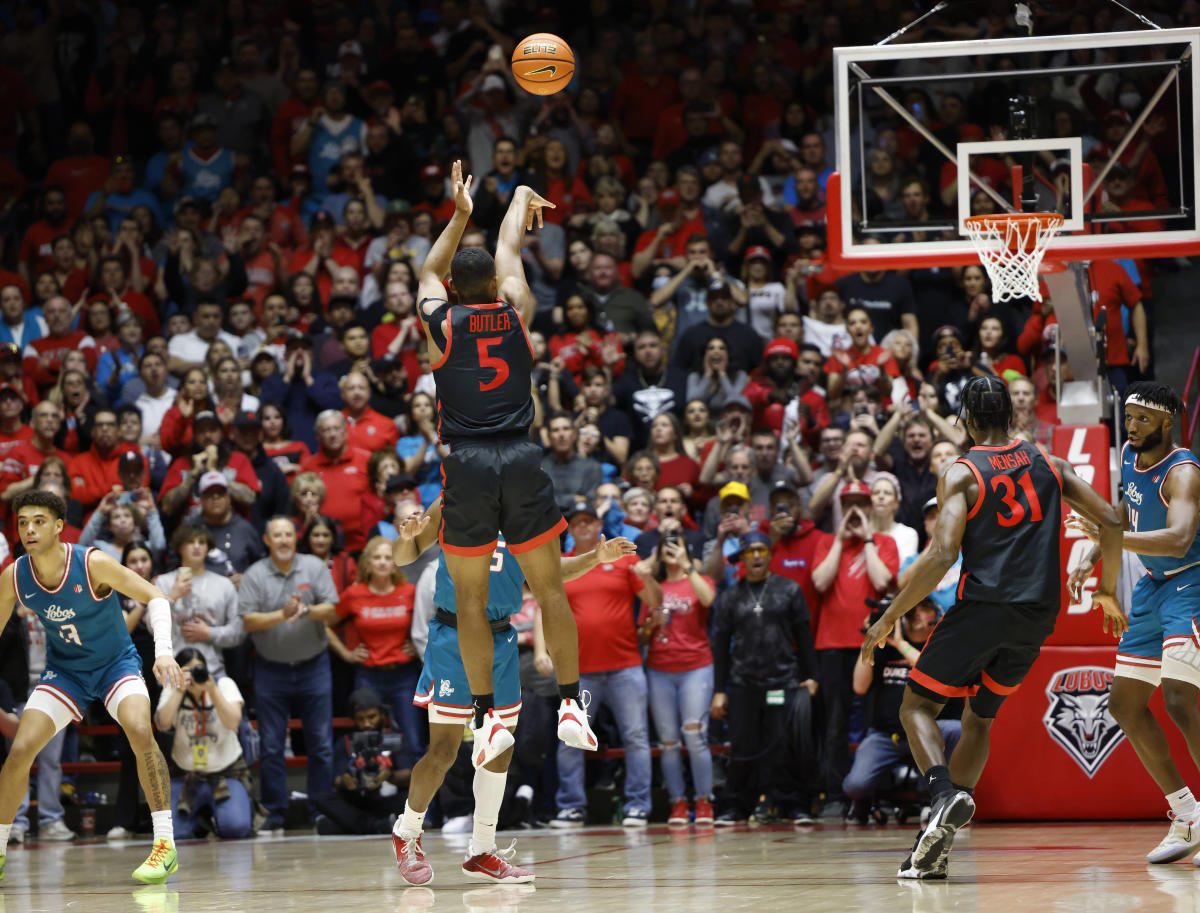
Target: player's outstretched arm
pixel 105 571
pixel 417 534
pixel 525 206
pixel 957 490
pixel 437 262
pixel 1109 524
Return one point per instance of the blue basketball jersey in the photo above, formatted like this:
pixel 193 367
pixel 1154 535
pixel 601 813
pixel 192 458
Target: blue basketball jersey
pixel 1142 491
pixel 83 631
pixel 205 180
pixel 504 586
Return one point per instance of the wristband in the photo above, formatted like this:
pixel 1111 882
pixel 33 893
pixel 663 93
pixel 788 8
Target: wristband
pixel 158 617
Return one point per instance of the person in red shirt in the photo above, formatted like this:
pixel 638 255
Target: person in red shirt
pixel 682 216
pixel 776 383
pixel 282 226
pixel 679 671
pixel 366 429
pixel 1112 288
pixel 610 668
pixel 642 96
pixel 82 172
pixel 873 364
pixel 794 542
pixel 26 457
pixel 350 249
pixel 12 430
pixel 433 195
pixel 316 258
pixel 94 472
pixel 675 468
pixel 43 357
pixel 380 607
pixel 37 246
pixel 851 566
pixel 210 452
pixel 343 469
pixel 11 373
pixel 115 286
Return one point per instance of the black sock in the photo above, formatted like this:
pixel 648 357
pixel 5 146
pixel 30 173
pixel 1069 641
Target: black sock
pixel 938 781
pixel 569 692
pixel 482 704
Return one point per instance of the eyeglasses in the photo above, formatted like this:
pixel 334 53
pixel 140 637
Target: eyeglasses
pixel 755 550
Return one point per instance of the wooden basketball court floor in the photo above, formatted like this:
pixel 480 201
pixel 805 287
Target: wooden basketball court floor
pixel 1067 868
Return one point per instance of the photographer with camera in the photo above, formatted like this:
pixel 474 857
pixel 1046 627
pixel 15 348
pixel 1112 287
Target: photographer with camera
pixel 210 773
pixel 886 744
pixel 369 789
pixel 851 566
pixel 763 685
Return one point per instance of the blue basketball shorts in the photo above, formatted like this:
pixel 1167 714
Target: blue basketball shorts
pixel 64 694
pixel 443 687
pixel 1163 638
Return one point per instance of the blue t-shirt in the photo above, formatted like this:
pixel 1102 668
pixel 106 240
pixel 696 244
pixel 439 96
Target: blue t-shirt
pixel 945 593
pixel 120 205
pixel 83 632
pixel 504 585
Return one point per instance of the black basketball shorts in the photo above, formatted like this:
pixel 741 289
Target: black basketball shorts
pixel 497 484
pixel 981 650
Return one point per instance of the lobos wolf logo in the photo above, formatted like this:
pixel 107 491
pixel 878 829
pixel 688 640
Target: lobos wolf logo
pixel 1078 717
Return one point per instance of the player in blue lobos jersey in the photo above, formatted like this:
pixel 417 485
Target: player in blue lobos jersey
pixel 444 690
pixel 1160 487
pixel 89 656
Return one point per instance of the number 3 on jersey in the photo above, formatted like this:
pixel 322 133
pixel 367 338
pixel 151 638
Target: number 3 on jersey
pixel 70 634
pixel 499 365
pixel 1008 497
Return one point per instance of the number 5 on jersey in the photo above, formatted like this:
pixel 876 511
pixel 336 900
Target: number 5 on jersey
pixel 499 365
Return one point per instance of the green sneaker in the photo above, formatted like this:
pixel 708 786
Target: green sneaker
pixel 161 863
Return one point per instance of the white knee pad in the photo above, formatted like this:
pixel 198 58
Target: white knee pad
pixel 123 688
pixel 1181 660
pixel 56 704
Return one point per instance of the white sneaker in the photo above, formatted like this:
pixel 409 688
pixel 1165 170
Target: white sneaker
pixel 16 835
pixel 460 825
pixel 56 831
pixel 492 739
pixel 573 728
pixel 1182 837
pixel 118 833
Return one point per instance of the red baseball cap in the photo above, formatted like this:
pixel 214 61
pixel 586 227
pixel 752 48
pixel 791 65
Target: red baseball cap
pixel 668 196
pixel 757 252
pixel 854 490
pixel 782 346
pixel 431 172
pixel 380 86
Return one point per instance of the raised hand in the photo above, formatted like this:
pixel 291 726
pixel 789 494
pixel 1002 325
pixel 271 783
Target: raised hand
pixel 533 209
pixel 612 549
pixel 1083 525
pixel 461 190
pixel 167 671
pixel 413 527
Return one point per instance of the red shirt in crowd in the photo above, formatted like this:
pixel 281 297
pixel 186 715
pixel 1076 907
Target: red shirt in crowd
pixel 238 469
pixel 53 348
pixel 794 557
pixel 371 431
pixel 678 470
pixel 383 620
pixel 843 605
pixel 602 603
pixel 682 644
pixel 94 476
pixel 345 479
pixel 79 176
pixel 37 247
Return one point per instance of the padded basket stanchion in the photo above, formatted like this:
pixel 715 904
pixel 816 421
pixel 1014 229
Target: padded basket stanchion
pixel 1011 246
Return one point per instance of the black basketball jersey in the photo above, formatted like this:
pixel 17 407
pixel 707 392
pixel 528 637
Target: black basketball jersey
pixel 483 386
pixel 1011 544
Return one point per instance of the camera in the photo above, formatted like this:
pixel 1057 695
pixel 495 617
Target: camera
pixel 783 509
pixel 862 410
pixel 370 752
pixel 199 674
pixel 671 539
pixel 878 609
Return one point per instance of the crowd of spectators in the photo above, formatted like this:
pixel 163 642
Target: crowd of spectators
pixel 212 217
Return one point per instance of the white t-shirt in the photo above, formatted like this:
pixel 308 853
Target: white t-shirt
pixel 153 408
pixel 822 335
pixel 191 348
pixel 202 743
pixel 765 303
pixel 905 538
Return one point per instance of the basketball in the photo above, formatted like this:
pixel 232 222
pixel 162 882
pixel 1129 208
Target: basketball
pixel 543 64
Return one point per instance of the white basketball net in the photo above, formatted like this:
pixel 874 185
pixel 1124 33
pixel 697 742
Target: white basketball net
pixel 1011 248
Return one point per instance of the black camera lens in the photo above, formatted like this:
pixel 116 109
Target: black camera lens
pixel 199 674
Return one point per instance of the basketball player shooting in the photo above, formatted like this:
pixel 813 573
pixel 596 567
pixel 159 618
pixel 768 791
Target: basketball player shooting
pixel 89 656
pixel 493 480
pixel 1160 488
pixel 1001 504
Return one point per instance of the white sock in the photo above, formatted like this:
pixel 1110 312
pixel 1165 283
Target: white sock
pixel 1183 804
pixel 410 823
pixel 5 829
pixel 489 795
pixel 163 825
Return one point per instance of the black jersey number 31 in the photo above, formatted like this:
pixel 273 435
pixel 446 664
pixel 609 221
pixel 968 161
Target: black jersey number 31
pixel 1007 490
pixel 499 365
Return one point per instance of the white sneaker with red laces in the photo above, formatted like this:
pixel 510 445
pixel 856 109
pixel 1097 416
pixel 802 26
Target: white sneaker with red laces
pixel 492 739
pixel 494 866
pixel 410 857
pixel 573 728
pixel 1182 838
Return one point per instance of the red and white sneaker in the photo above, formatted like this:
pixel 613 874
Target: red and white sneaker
pixel 495 867
pixel 492 739
pixel 573 728
pixel 679 813
pixel 704 811
pixel 410 857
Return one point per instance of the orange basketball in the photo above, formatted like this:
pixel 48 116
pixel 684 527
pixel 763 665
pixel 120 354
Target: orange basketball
pixel 543 64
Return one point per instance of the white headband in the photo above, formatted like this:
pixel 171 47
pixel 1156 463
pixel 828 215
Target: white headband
pixel 1136 400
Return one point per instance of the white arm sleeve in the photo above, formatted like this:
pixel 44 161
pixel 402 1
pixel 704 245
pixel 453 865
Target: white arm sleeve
pixel 158 617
